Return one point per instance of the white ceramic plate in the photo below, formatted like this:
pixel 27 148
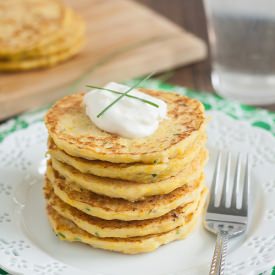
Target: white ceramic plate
pixel 28 246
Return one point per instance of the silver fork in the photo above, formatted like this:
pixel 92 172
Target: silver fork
pixel 227 222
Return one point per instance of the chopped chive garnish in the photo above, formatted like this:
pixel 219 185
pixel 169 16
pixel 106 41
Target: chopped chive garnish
pixel 123 94
pixel 119 93
pixel 61 235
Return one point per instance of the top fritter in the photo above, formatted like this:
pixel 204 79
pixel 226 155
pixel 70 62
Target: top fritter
pixel 72 131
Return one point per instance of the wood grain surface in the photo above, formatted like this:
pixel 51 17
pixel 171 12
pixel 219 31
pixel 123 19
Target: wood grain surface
pixel 124 40
pixel 189 15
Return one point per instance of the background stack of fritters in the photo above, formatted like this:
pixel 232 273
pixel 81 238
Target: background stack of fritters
pixel 38 33
pixel 126 195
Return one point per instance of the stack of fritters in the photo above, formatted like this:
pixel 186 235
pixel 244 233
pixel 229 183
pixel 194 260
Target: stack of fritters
pixel 38 33
pixel 126 195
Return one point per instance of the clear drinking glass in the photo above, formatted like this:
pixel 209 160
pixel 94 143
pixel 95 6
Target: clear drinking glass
pixel 242 42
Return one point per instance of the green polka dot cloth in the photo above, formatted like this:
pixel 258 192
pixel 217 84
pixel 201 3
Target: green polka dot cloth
pixel 255 116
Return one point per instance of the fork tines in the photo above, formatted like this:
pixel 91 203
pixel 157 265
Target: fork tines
pixel 221 206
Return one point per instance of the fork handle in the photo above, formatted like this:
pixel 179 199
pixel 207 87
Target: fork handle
pixel 218 261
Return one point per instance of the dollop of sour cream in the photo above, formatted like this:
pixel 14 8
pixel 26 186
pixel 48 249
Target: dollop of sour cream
pixel 129 117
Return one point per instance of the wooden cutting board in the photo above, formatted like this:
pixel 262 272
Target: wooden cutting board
pixel 124 40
